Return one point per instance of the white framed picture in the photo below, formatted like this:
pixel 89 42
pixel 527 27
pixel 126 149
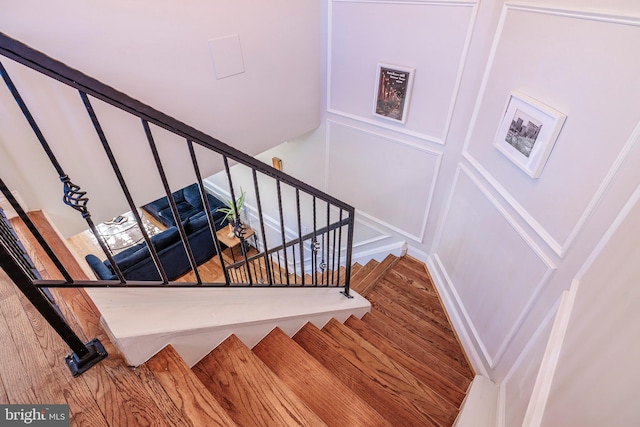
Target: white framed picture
pixel 528 132
pixel 393 92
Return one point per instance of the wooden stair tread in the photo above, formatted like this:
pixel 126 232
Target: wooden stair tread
pixel 186 391
pixel 418 348
pixel 355 267
pixel 423 398
pixel 446 346
pixel 422 372
pixel 418 300
pixel 316 385
pixel 422 306
pixel 369 282
pixel 357 280
pixel 248 391
pixel 393 405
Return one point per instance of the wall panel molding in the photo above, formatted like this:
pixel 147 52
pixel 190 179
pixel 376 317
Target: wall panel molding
pixel 558 245
pixel 465 329
pixel 493 358
pixel 415 235
pixel 553 351
pixel 590 14
pixel 403 129
pixel 524 357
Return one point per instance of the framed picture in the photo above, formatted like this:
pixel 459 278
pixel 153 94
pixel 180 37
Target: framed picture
pixel 528 131
pixel 392 92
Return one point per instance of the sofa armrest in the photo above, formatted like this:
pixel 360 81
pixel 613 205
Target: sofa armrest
pixel 156 206
pixel 101 270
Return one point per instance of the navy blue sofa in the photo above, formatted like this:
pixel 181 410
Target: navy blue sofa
pixel 136 263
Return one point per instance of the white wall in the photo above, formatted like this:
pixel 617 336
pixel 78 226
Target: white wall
pixel 501 245
pixel 159 53
pixel 596 376
pixel 588 375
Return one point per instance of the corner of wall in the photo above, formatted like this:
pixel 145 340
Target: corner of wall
pixel 480 406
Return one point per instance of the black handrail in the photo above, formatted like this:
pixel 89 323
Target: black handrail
pixel 325 239
pixel 57 70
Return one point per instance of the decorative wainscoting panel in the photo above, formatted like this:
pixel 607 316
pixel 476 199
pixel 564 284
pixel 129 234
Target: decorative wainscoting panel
pixel 404 33
pixel 492 270
pixel 597 89
pixel 401 203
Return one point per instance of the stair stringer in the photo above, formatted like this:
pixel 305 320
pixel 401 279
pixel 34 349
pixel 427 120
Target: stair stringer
pixel 141 322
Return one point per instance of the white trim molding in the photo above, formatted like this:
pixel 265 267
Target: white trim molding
pixel 418 238
pixel 441 139
pixel 541 389
pixel 544 381
pixel 488 359
pixel 559 246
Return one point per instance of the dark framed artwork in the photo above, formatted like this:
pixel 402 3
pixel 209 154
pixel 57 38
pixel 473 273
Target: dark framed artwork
pixel 393 92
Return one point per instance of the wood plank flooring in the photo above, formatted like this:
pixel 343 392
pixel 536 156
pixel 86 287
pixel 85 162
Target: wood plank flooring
pixel 32 368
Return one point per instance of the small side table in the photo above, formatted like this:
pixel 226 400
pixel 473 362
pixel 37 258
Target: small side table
pixel 233 242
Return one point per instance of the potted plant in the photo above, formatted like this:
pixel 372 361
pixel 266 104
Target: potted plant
pixel 232 214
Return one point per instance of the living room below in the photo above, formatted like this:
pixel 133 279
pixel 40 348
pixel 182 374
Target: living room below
pixel 125 241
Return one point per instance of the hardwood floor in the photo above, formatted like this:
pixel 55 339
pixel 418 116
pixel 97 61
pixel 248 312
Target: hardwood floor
pixel 401 364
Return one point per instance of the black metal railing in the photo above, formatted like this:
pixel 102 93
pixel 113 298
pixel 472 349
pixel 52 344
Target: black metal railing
pixel 306 242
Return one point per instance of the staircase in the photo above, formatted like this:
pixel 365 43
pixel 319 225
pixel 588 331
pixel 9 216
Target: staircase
pixel 400 365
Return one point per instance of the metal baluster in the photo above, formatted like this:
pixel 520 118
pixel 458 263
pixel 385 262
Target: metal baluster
pixel 333 258
pixel 301 244
pixel 207 208
pixel 351 212
pixel 34 231
pixel 284 239
pixel 262 229
pixel 315 246
pixel 237 229
pixel 172 203
pixel 339 245
pixel 83 356
pixel 72 196
pixel 326 239
pixel 125 189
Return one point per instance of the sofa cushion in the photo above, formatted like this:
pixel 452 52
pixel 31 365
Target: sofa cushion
pixel 134 258
pixel 192 196
pixel 102 271
pixel 198 221
pixel 188 203
pixel 166 217
pixel 166 238
pixel 215 203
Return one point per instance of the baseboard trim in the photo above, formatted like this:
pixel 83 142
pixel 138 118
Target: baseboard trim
pixel 456 315
pixel 480 405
